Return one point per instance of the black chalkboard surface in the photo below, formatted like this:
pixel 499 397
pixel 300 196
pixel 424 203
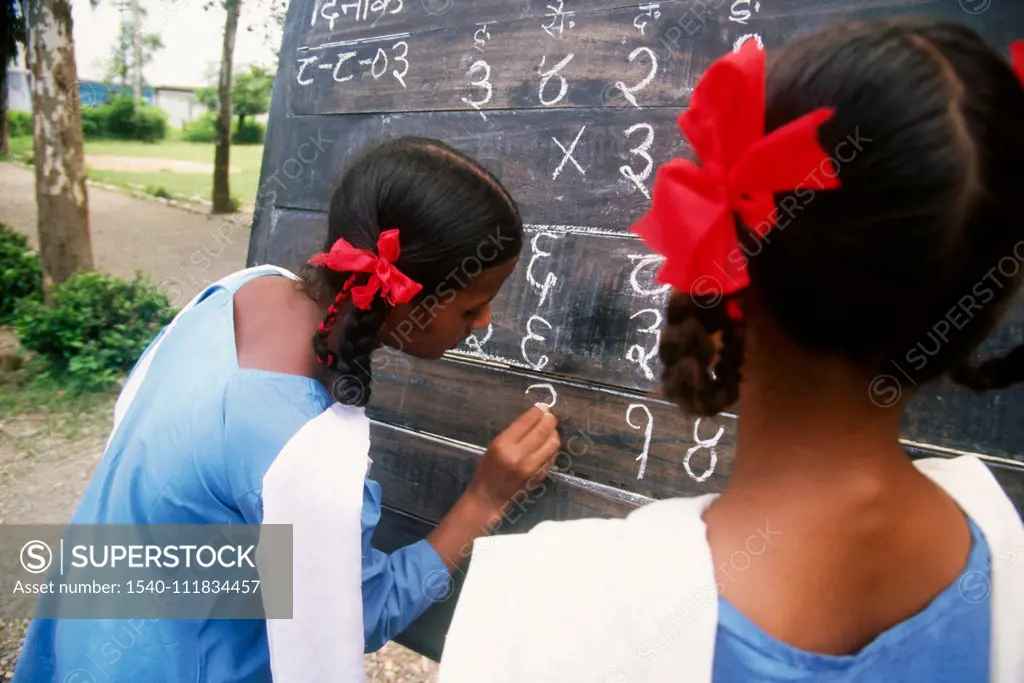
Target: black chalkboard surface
pixel 572 104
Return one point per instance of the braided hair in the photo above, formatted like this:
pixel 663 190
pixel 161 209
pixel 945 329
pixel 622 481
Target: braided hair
pixel 444 205
pixel 907 264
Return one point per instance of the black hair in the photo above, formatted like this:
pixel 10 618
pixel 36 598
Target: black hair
pixel 928 144
pixel 444 205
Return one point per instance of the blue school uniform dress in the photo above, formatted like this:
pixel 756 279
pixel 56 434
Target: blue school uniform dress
pixel 640 602
pixel 199 440
pixel 954 629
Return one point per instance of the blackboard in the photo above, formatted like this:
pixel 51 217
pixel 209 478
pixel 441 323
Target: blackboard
pixel 572 105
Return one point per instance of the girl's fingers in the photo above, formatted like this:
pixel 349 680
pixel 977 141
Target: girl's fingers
pixel 545 455
pixel 539 434
pixel 524 424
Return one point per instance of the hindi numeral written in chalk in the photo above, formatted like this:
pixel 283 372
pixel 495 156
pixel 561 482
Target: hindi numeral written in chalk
pixel 648 430
pixel 629 92
pixel 483 81
pixel 645 261
pixel 531 336
pixel 641 151
pixel 551 390
pixel 710 444
pixel 545 77
pixel 637 353
pixel 550 279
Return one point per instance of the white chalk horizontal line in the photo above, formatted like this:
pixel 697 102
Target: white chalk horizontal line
pixel 955 452
pixel 354 41
pixel 601 489
pixel 578 230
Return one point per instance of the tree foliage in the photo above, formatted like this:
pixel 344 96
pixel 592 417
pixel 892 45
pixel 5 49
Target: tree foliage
pixel 121 64
pixel 250 94
pixel 12 34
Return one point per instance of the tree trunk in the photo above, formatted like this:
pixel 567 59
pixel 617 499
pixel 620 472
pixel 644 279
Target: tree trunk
pixel 64 242
pixel 222 156
pixel 137 50
pixel 5 130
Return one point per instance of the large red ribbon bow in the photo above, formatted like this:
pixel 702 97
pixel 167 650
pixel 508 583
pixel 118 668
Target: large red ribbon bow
pixel 392 284
pixel 690 220
pixel 1017 59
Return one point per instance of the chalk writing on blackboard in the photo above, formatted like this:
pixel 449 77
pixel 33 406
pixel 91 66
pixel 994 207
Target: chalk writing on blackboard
pixel 482 35
pixel 648 13
pixel 740 11
pixel 378 63
pixel 557 17
pixel 648 430
pixel 641 151
pixel 329 10
pixel 643 261
pixel 629 92
pixel 710 444
pixel 550 279
pixel 568 154
pixel 744 38
pixel 637 353
pixel 550 388
pixel 530 336
pixel 545 78
pixel 476 344
pixel 481 69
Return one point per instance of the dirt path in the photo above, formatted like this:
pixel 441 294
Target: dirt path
pixel 43 472
pixel 183 250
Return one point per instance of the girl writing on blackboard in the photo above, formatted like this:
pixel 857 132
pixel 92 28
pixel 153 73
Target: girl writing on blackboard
pixel 248 409
pixel 852 232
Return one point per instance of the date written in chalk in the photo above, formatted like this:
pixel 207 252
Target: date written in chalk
pixel 140 587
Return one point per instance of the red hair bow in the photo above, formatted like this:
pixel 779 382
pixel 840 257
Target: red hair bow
pixel 393 285
pixel 1017 59
pixel 690 220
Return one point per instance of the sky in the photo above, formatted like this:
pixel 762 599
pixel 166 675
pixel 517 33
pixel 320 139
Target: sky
pixel 192 38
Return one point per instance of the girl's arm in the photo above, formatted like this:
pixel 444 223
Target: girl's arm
pixel 516 462
pixel 400 586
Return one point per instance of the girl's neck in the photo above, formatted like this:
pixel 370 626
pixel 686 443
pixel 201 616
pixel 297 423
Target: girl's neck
pixel 804 417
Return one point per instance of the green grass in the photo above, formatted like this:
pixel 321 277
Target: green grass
pixel 25 392
pixel 22 145
pixel 182 185
pixel 244 182
pixel 241 155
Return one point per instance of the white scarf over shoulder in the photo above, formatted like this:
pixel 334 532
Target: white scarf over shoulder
pixel 580 601
pixel 315 485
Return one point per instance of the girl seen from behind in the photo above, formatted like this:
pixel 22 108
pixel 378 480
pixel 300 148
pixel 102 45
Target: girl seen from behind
pixel 249 409
pixel 856 192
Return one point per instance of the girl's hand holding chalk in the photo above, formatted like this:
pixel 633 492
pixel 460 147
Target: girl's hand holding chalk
pixel 518 460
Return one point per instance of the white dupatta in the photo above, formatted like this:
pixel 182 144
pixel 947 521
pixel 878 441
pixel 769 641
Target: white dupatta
pixel 316 485
pixel 581 601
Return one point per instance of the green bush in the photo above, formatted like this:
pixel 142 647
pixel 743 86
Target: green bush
pixel 19 123
pixel 200 129
pixel 94 122
pixel 21 274
pixel 159 191
pixel 204 129
pixel 149 124
pixel 96 328
pixel 124 119
pixel 250 134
